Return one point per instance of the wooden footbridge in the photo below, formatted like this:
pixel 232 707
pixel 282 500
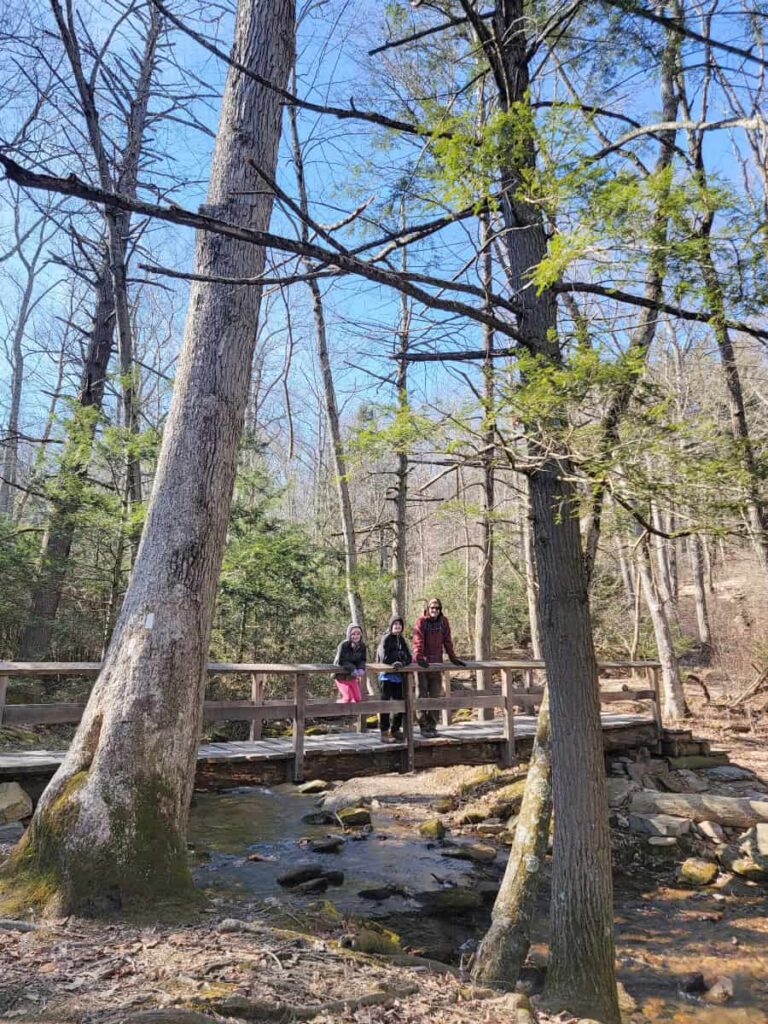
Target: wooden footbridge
pixel 502 732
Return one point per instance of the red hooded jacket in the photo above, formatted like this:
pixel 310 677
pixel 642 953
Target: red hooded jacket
pixel 430 636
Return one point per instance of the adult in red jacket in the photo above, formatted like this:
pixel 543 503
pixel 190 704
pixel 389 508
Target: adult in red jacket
pixel 432 634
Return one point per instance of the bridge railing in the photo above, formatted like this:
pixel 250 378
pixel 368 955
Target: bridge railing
pixel 514 693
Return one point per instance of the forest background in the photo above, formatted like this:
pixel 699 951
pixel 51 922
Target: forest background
pixel 361 489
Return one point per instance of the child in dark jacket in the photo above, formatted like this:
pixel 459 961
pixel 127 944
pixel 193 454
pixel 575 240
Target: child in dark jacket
pixel 392 650
pixel 351 657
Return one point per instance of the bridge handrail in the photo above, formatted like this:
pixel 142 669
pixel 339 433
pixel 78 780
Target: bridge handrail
pixel 301 706
pixel 83 668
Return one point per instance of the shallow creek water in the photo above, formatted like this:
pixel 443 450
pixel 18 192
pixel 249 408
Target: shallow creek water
pixel 226 827
pixel 661 933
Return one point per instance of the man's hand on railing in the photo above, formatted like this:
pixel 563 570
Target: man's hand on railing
pixel 422 663
pixel 397 664
pixel 459 662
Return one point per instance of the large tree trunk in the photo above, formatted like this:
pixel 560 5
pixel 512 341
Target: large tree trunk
pixel 110 828
pixel 581 972
pixel 503 950
pixel 331 408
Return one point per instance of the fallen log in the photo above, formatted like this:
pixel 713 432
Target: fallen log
pixel 739 812
pixel 754 686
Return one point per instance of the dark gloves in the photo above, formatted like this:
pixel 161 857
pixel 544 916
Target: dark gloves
pixel 422 662
pixel 397 664
pixel 459 662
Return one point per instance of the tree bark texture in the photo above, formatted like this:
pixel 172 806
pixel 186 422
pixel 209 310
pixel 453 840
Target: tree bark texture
pixel 110 828
pixel 581 967
pixel 506 943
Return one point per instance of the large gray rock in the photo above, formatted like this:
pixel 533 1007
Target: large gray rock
pixel 684 781
pixel 620 791
pixel 659 824
pixel 14 802
pixel 725 810
pixel 731 773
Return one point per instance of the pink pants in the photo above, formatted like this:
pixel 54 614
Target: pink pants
pixel 349 690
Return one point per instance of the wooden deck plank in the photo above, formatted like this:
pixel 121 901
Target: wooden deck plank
pixel 30 762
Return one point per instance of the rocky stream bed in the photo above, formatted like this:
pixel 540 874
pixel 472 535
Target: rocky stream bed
pixel 364 902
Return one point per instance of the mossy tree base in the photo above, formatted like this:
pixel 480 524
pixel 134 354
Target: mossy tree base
pixel 86 853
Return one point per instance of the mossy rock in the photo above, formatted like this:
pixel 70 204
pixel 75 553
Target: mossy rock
pixel 380 942
pixel 697 871
pixel 444 805
pixel 353 816
pixel 479 777
pixel 507 800
pixel 433 828
pixel 472 815
pixel 732 859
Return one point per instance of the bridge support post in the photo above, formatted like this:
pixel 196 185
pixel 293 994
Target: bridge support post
pixel 508 712
pixel 299 722
pixel 3 692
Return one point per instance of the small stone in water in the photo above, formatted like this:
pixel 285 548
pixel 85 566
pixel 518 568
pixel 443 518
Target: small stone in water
pixel 301 873
pixel 314 786
pixel 354 816
pixel 332 844
pixel 721 992
pixel 312 885
pixel 691 984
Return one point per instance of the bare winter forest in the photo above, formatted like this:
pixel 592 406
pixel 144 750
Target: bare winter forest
pixel 313 310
